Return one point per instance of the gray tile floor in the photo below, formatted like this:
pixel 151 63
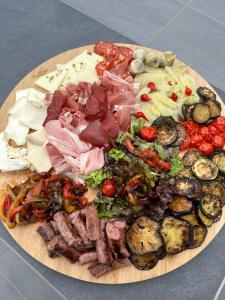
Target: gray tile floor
pixel 32 31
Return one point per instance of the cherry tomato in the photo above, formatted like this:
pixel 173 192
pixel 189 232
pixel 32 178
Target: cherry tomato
pixel 206 148
pixel 145 98
pixel 188 91
pixel 140 115
pixel 213 130
pixel 218 141
pixel 152 86
pixel 108 188
pixel 170 82
pixel 174 97
pixel 191 127
pixel 220 123
pixel 165 165
pixel 186 144
pixel 196 139
pixel 148 133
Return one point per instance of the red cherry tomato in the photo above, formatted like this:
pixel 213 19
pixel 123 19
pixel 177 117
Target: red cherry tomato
pixel 188 91
pixel 174 97
pixel 186 144
pixel 218 141
pixel 196 139
pixel 165 165
pixel 108 188
pixel 213 130
pixel 148 133
pixel 145 98
pixel 140 115
pixel 206 148
pixel 151 85
pixel 220 123
pixel 191 127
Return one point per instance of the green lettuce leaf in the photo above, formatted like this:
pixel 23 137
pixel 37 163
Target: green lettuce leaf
pixel 136 125
pixel 95 178
pixel 116 154
pixel 176 166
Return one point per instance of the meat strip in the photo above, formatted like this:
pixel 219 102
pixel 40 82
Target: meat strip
pixel 54 226
pixel 102 247
pixel 79 225
pixel 97 270
pixel 121 263
pixel 71 238
pixel 92 223
pixel 116 235
pixel 88 257
pixel 57 245
pixel 46 232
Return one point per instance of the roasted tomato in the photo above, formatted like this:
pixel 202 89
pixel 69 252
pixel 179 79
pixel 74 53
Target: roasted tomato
pixel 206 148
pixel 148 133
pixel 218 141
pixel 108 188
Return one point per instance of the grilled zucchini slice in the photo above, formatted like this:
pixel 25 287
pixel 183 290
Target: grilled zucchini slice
pixel 206 221
pixel 205 169
pixel 191 218
pixel 190 157
pixel 181 135
pixel 187 187
pixel 214 107
pixel 219 159
pixel 144 262
pixel 205 93
pixel 199 235
pixel 187 111
pixel 211 206
pixel 180 205
pixel 176 233
pixel 201 113
pixel 166 130
pixel 143 236
pixel 215 188
pixel 161 253
pixel 218 217
pixel 186 172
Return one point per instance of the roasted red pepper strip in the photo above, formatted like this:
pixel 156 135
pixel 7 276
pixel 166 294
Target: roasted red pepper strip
pixel 130 147
pixel 66 191
pixel 15 211
pixel 6 205
pixel 36 190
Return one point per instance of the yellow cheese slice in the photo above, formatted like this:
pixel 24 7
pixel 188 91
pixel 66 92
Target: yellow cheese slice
pixel 51 81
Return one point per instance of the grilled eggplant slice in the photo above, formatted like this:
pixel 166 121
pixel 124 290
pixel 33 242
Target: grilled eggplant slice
pixel 211 206
pixel 215 188
pixel 181 135
pixel 190 157
pixel 201 113
pixel 161 253
pixel 191 218
pixel 186 172
pixel 176 233
pixel 205 93
pixel 143 236
pixel 215 108
pixel 218 217
pixel 199 235
pixel 187 187
pixel 187 111
pixel 206 221
pixel 205 169
pixel 219 159
pixel 166 130
pixel 144 262
pixel 180 206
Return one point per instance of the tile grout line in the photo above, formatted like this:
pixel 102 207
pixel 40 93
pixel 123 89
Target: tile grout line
pixel 170 21
pixel 33 269
pixel 12 285
pixel 216 297
pixel 204 14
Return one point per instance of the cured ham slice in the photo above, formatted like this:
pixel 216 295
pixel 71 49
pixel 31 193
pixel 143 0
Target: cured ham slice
pixel 57 160
pixel 123 118
pixel 80 92
pixel 110 124
pixel 94 134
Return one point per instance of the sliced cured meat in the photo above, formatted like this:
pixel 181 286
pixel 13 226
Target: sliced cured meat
pixel 121 263
pixel 97 270
pixel 57 160
pixel 79 92
pixel 55 107
pixel 92 223
pixel 93 109
pixel 94 134
pixel 123 118
pixel 46 232
pixel 63 226
pixel 110 124
pixel 102 247
pixel 88 257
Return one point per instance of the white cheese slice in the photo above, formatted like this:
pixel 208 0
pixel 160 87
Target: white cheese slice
pixel 88 74
pixel 16 131
pixel 33 117
pixel 36 98
pixel 38 158
pixel 21 93
pixel 71 77
pixel 18 107
pixel 12 159
pixel 85 58
pixel 39 137
pixel 51 81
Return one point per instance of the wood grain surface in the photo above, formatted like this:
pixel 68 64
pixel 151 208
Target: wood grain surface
pixel 32 243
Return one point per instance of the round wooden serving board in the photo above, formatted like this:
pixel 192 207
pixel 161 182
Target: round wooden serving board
pixel 32 243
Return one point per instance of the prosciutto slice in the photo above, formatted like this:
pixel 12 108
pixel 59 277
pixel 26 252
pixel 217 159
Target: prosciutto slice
pixel 123 118
pixel 94 134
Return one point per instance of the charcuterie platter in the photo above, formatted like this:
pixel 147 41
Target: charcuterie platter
pixel 113 163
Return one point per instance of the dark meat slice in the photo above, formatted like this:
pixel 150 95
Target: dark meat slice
pixel 46 232
pixel 102 247
pixel 97 270
pixel 88 257
pixel 58 246
pixel 71 238
pixel 54 226
pixel 94 134
pixel 120 263
pixel 92 224
pixel 79 225
pixel 116 234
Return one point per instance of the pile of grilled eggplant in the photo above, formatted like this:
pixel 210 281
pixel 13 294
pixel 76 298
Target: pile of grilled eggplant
pixel 197 204
pixel 206 110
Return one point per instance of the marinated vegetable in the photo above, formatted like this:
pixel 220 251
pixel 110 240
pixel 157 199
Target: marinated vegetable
pixel 143 236
pixel 187 187
pixel 180 205
pixel 211 206
pixel 199 235
pixel 166 130
pixel 181 135
pixel 205 220
pixel 205 169
pixel 219 159
pixel 201 113
pixel 214 188
pixel 190 157
pixel 176 233
pixel 214 107
pixel 206 93
pixel 144 262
